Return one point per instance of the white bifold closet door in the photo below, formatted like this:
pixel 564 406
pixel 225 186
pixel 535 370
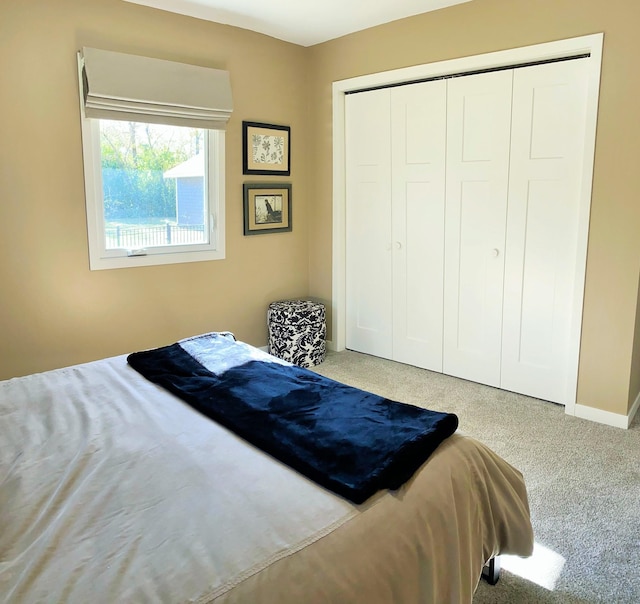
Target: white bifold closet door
pixel 368 222
pixel 418 129
pixel 540 332
pixel 478 134
pixel 395 155
pixel 463 220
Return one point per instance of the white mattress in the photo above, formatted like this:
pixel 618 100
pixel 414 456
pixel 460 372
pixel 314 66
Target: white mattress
pixel 113 490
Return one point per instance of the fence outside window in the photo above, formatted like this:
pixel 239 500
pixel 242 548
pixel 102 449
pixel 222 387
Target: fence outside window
pixel 126 237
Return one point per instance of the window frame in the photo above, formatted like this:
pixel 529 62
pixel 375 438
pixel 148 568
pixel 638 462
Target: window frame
pixel 101 258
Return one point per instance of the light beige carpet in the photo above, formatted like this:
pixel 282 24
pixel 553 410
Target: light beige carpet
pixel 583 481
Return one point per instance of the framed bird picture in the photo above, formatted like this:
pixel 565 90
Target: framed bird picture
pixel 267 208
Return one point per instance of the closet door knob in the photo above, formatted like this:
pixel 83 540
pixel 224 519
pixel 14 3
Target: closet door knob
pixel 398 245
pixel 495 252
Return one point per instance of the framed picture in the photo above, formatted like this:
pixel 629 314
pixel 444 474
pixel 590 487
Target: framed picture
pixel 266 149
pixel 267 208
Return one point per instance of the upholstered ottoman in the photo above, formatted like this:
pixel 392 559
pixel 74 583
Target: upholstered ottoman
pixel 297 330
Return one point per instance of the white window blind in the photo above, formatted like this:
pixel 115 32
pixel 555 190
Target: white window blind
pixel 118 86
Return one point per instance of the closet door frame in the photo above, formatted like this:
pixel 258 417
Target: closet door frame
pixel 584 45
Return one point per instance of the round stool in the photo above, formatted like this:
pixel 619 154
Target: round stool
pixel 297 331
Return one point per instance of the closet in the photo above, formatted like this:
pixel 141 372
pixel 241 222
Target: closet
pixel 462 212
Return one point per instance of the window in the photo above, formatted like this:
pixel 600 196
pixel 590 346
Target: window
pixel 154 193
pixel 154 177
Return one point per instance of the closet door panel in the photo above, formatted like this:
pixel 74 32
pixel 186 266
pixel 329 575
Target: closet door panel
pixel 368 223
pixel 478 135
pixel 418 118
pixel 542 231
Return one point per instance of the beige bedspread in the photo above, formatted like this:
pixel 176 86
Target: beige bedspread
pixel 113 490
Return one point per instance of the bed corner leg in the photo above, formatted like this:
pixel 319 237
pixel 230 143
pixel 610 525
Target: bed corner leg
pixel 491 571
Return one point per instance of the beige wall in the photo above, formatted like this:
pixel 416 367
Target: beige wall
pixel 607 379
pixel 54 310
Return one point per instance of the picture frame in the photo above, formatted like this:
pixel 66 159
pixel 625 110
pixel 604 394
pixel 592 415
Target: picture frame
pixel 266 149
pixel 267 208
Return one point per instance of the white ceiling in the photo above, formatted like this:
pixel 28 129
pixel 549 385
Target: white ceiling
pixel 303 22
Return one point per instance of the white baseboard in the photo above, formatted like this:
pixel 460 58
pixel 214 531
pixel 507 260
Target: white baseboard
pixel 634 409
pixel 617 420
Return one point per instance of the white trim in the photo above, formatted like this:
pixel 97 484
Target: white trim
pixel 608 418
pixel 591 118
pixel 591 44
pixel 339 252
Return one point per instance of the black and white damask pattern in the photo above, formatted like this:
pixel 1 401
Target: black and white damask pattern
pixel 297 331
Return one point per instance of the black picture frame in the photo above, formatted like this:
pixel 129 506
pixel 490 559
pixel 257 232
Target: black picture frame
pixel 267 208
pixel 266 149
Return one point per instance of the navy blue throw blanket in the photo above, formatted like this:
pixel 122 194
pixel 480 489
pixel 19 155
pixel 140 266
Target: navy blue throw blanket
pixel 345 439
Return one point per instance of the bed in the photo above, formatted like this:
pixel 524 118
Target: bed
pixel 114 489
